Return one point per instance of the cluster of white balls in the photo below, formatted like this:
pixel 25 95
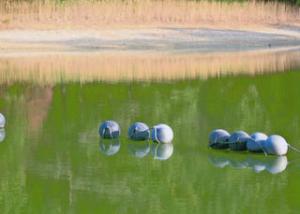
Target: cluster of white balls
pixel 138 131
pixel 160 133
pixel 256 142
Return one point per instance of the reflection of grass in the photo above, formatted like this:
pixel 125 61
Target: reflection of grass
pixel 96 14
pixel 147 67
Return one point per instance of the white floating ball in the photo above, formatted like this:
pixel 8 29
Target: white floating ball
pixel 218 139
pixel 162 133
pixel 277 165
pixel 109 147
pixel 2 135
pixel 275 145
pixel 238 141
pixel 259 136
pixel 162 151
pixel 139 149
pixel 254 144
pixel 109 130
pixel 2 121
pixel 139 131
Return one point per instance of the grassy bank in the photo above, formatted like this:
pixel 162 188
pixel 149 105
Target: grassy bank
pixel 76 14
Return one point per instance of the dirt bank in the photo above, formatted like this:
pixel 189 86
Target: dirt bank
pixel 165 40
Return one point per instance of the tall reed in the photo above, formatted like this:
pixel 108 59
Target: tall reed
pixel 91 14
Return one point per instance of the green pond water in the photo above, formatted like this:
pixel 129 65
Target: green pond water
pixel 52 160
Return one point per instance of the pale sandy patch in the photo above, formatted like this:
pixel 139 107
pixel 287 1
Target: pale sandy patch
pixel 167 40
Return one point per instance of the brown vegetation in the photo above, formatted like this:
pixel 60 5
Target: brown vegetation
pixel 149 13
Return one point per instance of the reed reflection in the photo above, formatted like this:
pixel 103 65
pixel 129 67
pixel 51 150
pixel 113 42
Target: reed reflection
pixel 147 67
pixel 109 147
pixel 271 164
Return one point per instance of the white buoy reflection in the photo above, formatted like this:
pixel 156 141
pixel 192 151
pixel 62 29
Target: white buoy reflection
pixel 162 151
pixel 2 135
pixel 277 165
pixel 2 121
pixel 139 149
pixel 109 147
pixel 271 164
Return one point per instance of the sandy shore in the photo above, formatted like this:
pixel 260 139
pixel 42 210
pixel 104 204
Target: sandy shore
pixel 164 40
pixel 152 54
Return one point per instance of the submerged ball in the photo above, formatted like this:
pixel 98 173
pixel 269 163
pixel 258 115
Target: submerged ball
pixel 109 130
pixel 162 133
pixel 139 131
pixel 254 144
pixel 238 141
pixel 218 139
pixel 162 151
pixel 2 121
pixel 275 145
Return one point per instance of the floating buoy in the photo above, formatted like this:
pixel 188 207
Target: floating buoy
pixel 139 149
pixel 162 151
pixel 139 131
pixel 254 144
pixel 2 135
pixel 162 133
pixel 238 141
pixel 275 145
pixel 218 139
pixel 109 130
pixel 109 147
pixel 2 121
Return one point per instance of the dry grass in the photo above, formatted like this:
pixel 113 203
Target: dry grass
pixel 49 70
pixel 134 13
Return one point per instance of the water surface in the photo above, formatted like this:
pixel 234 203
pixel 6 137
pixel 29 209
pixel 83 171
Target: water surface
pixel 52 160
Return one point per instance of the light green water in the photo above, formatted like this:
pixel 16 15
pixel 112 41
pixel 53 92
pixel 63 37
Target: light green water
pixel 50 159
